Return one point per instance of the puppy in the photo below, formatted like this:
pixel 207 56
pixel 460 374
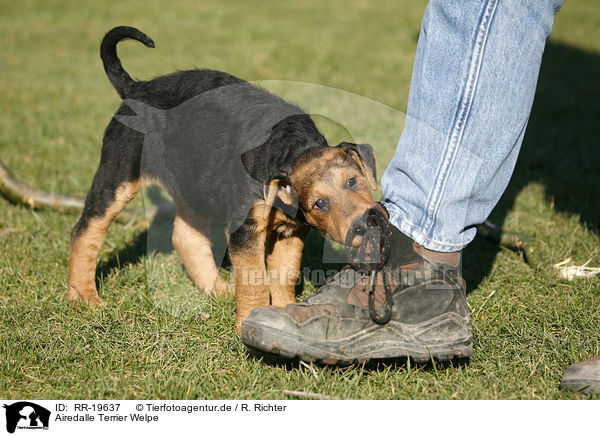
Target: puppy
pixel 224 150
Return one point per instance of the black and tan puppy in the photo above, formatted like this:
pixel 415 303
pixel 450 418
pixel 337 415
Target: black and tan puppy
pixel 224 150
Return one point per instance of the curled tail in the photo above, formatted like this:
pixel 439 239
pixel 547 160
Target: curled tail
pixel 119 78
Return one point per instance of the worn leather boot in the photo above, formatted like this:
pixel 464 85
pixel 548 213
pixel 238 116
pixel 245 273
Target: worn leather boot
pixel 396 299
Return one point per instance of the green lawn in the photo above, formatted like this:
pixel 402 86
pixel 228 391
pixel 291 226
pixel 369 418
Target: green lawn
pixel 152 340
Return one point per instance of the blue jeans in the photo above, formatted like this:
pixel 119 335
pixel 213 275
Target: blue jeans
pixel 472 89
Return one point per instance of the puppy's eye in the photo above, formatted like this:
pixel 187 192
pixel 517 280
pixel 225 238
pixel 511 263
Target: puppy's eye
pixel 320 204
pixel 351 182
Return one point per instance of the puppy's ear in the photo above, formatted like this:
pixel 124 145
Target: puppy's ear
pixel 280 191
pixel 364 156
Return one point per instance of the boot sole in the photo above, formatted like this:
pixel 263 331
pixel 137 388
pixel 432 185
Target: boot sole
pixel 581 386
pixel 370 344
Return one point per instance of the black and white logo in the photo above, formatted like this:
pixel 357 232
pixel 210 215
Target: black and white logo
pixel 26 415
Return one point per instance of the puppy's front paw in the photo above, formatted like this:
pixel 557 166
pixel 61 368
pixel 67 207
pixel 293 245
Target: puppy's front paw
pixel 240 319
pixel 89 296
pixel 96 302
pixel 223 288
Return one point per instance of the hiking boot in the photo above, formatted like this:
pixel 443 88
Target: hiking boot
pixel 407 302
pixel 583 377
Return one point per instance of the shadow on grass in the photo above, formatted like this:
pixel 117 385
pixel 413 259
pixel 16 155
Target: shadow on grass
pixel 561 148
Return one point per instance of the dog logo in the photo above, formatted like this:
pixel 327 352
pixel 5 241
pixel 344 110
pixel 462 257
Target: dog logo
pixel 26 415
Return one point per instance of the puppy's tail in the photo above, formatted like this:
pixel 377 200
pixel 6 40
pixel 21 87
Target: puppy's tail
pixel 119 78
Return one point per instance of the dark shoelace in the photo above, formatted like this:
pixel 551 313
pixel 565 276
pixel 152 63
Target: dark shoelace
pixel 372 256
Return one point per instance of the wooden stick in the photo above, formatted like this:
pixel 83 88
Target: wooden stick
pixel 520 242
pixel 23 194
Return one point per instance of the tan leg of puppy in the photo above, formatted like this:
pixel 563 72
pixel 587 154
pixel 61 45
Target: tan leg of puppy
pixel 283 264
pixel 87 244
pixel 251 290
pixel 191 239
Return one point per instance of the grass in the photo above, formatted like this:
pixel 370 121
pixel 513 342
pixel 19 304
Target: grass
pixel 152 340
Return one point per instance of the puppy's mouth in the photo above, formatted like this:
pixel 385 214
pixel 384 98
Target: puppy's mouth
pixel 355 241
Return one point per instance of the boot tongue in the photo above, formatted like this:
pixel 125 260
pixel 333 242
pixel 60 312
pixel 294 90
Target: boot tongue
pixel 359 294
pixel 402 250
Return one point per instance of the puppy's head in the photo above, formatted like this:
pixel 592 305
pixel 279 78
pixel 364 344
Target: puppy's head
pixel 333 187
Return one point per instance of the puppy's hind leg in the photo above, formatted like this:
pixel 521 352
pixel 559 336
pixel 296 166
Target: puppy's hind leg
pixel 191 239
pixel 102 205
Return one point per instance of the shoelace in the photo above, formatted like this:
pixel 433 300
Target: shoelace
pixel 372 256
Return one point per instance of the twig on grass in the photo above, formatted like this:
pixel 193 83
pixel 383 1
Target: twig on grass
pixel 309 367
pixel 569 271
pixel 525 244
pixel 485 302
pixel 309 395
